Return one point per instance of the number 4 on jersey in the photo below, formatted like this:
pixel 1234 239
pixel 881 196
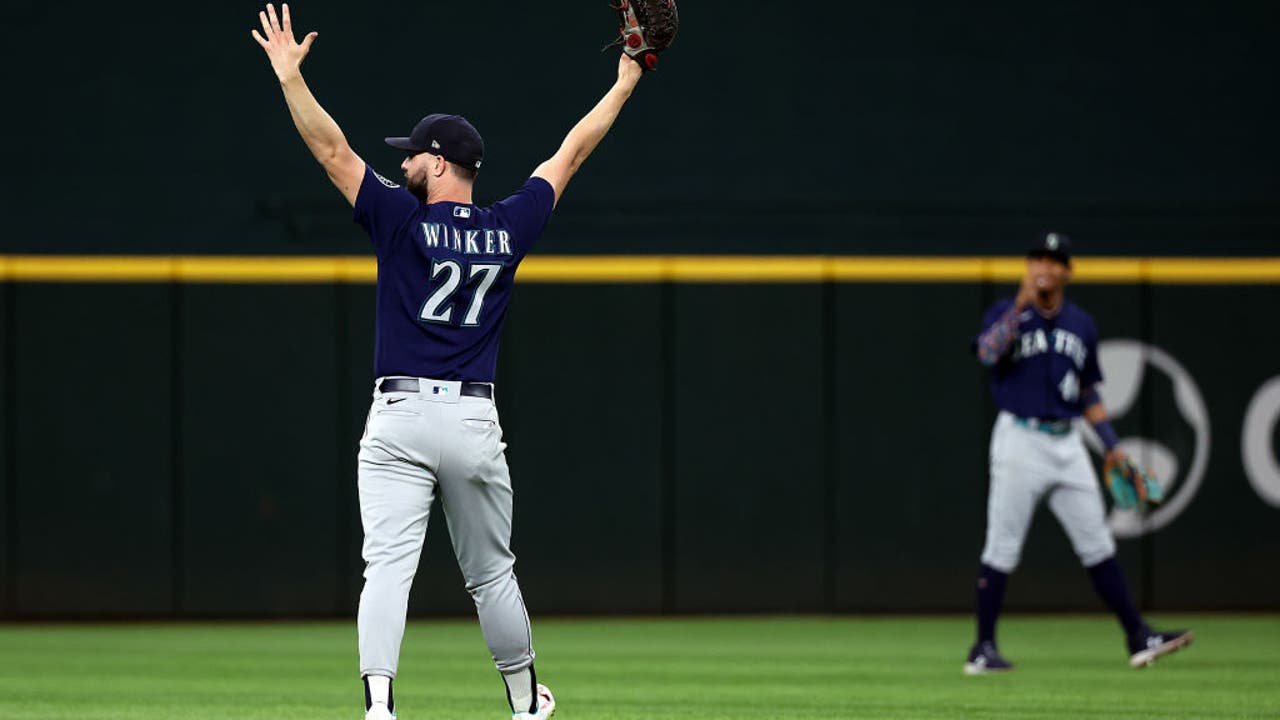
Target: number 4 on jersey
pixel 1069 387
pixel 438 308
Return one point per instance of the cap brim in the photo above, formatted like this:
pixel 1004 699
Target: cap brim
pixel 402 143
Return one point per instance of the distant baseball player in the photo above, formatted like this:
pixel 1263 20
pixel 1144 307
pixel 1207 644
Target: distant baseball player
pixel 1042 351
pixel 445 272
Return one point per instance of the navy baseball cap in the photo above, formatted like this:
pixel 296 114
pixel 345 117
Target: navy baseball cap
pixel 1054 246
pixel 449 136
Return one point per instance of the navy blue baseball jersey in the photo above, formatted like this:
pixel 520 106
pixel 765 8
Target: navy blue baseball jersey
pixel 445 273
pixel 1050 364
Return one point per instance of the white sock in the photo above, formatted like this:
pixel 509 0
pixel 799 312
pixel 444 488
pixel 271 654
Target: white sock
pixel 379 688
pixel 520 690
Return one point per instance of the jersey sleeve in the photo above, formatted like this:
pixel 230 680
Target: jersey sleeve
pixel 382 208
pixel 527 211
pixel 994 313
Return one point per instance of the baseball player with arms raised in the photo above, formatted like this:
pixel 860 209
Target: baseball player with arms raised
pixel 1042 352
pixel 445 272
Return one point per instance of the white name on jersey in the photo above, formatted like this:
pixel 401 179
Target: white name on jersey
pixel 1064 343
pixel 467 242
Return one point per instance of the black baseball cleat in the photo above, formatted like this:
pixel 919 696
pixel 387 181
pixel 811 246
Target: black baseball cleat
pixel 984 658
pixel 1146 647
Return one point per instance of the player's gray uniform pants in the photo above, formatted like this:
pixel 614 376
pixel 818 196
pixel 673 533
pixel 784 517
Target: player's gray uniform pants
pixel 1027 465
pixel 417 447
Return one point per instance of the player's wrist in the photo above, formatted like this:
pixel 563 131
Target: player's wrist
pixel 1107 435
pixel 289 76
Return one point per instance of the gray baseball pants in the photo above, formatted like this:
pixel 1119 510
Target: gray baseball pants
pixel 1027 465
pixel 417 447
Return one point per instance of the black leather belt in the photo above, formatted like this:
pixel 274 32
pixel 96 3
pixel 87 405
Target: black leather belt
pixel 470 389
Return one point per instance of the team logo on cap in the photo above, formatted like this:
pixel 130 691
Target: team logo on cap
pixel 1051 241
pixel 435 144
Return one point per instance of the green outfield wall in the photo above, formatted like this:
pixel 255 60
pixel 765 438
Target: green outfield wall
pixel 188 449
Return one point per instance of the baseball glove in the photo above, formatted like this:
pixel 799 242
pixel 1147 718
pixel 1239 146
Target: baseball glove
pixel 1131 487
pixel 647 28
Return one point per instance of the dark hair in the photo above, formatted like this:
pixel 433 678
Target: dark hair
pixel 467 174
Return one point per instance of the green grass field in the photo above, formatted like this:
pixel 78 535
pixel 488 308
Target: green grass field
pixel 855 667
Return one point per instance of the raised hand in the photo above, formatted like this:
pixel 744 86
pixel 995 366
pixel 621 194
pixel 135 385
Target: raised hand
pixel 285 53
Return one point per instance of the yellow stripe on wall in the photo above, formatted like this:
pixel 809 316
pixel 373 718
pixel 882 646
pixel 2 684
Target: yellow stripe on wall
pixel 638 269
pixel 188 268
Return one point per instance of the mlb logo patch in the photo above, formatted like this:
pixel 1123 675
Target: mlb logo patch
pixel 462 212
pixel 437 390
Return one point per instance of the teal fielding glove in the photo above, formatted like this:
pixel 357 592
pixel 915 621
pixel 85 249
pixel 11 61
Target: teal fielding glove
pixel 1131 487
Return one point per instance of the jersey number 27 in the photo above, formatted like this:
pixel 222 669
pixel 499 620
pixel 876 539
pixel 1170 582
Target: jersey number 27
pixel 439 308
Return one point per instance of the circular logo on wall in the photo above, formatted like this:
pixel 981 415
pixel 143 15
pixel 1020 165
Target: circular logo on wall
pixel 1256 448
pixel 1146 390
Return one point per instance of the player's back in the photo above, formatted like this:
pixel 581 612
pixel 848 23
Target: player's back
pixel 445 275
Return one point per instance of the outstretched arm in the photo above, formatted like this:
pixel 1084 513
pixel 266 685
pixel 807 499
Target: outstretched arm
pixel 584 136
pixel 318 130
